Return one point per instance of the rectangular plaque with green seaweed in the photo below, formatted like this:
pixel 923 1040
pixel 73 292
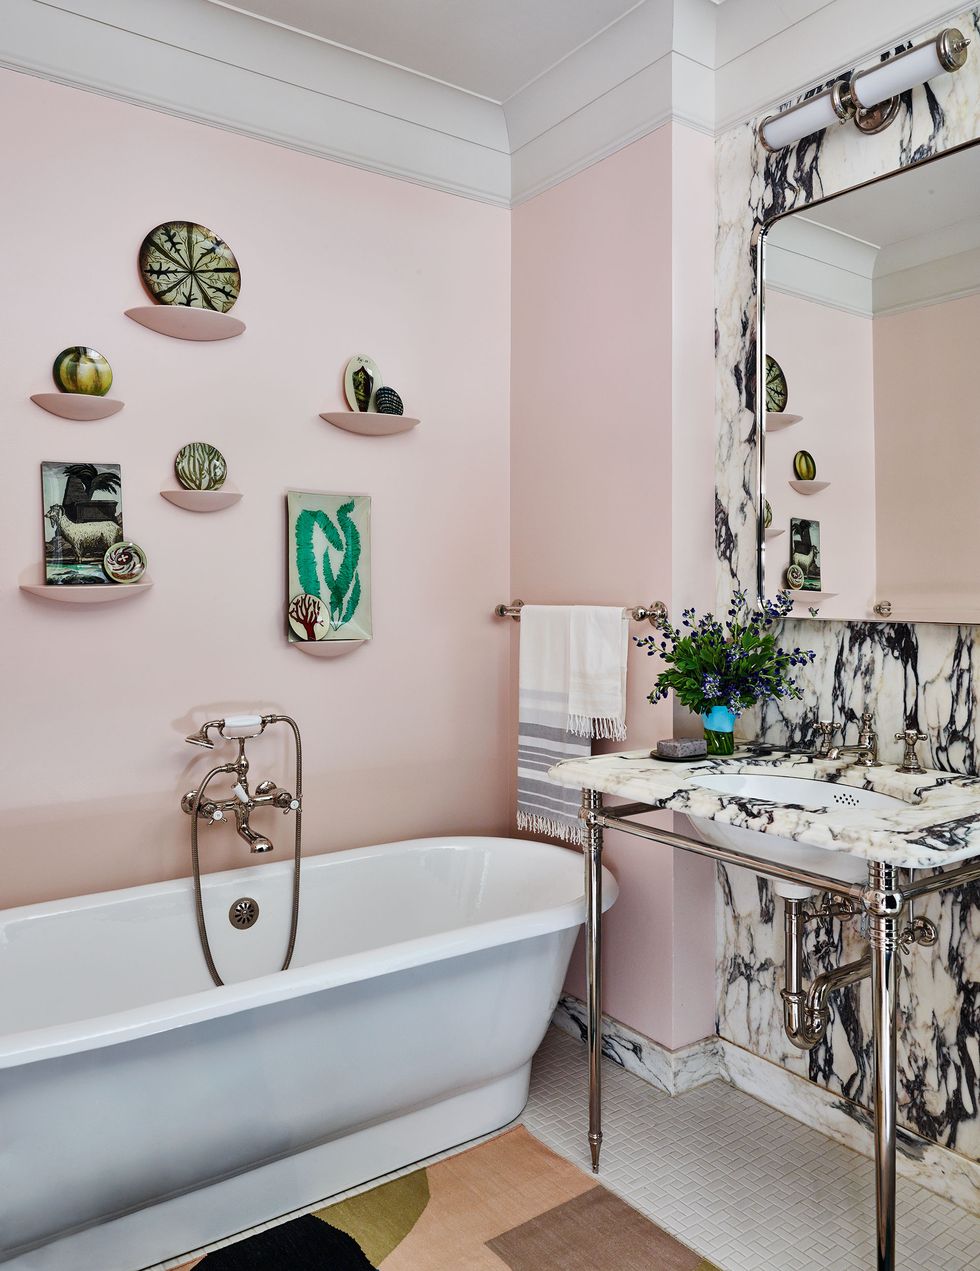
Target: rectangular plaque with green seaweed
pixel 329 556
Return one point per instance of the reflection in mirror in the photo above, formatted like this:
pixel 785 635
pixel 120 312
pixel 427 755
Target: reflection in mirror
pixel 871 452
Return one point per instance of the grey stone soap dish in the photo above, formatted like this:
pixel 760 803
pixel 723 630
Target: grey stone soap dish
pixel 678 748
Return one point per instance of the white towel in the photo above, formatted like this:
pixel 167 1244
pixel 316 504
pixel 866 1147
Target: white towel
pixel 572 687
pixel 597 672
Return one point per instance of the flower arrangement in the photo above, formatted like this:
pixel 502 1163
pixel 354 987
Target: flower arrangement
pixel 719 669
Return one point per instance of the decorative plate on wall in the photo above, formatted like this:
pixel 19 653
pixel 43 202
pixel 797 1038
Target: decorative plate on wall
pixel 79 369
pixel 767 513
pixel 200 466
pixel 186 264
pixel 777 394
pixel 308 616
pixel 804 465
pixel 124 563
pixel 362 379
pixel 388 402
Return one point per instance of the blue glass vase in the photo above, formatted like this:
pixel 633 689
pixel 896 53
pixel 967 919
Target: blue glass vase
pixel 719 730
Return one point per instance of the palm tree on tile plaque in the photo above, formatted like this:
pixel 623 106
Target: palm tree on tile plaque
pixel 82 482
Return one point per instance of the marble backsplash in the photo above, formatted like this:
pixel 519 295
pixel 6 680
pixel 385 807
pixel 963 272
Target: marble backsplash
pixel 921 673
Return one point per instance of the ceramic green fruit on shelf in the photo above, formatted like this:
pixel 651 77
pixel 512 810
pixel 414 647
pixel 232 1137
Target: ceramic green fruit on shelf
pixel 200 466
pixel 79 369
pixel 777 394
pixel 804 465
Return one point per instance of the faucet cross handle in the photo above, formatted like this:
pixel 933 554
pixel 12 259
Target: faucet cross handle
pixel 910 760
pixel 826 729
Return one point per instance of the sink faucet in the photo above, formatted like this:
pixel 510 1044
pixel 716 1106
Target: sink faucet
pixel 866 750
pixel 243 802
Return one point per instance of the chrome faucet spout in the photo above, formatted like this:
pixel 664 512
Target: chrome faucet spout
pixel 256 842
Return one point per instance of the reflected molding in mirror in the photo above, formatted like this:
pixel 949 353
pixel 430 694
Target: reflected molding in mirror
pixel 870 301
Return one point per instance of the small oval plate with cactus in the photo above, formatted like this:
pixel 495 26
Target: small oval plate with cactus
pixel 200 466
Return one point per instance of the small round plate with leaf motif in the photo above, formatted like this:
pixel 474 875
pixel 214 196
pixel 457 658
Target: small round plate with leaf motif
pixel 200 466
pixel 777 393
pixel 182 263
pixel 124 563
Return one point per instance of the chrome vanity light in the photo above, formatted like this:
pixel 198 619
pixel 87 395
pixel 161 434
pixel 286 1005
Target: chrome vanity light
pixel 871 98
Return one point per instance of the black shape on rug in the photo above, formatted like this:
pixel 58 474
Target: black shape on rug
pixel 305 1244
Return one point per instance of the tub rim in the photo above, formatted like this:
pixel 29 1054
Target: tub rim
pixel 98 1031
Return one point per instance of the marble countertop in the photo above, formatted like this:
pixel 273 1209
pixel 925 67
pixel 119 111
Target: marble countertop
pixel 939 825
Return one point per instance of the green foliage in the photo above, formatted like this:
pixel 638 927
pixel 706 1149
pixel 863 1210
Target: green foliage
pixel 343 584
pixel 734 664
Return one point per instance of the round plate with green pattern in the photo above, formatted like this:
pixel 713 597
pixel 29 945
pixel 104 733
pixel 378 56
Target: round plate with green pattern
pixel 777 394
pixel 186 264
pixel 79 369
pixel 200 466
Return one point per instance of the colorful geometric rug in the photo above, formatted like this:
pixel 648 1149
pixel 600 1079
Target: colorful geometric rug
pixel 510 1202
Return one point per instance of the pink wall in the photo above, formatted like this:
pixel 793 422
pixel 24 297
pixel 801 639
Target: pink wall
pixel 403 737
pixel 592 497
pixel 826 355
pixel 928 450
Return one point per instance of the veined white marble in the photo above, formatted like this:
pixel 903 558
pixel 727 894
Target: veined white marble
pixel 937 823
pixel 672 1071
pixel 925 673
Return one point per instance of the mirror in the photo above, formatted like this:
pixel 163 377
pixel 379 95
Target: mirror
pixel 870 456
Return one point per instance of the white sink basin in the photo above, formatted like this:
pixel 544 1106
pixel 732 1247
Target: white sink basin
pixel 815 796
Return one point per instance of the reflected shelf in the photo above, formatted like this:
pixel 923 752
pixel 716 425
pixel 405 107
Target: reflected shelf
pixel 811 597
pixel 776 419
pixel 369 423
pixel 773 534
pixel 327 648
pixel 184 323
pixel 83 407
pixel 809 487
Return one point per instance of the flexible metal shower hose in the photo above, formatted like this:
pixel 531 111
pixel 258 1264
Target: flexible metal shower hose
pixel 202 929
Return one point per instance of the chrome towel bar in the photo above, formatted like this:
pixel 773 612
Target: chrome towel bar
pixel 655 614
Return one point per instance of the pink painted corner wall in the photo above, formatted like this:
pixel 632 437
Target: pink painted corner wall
pixel 826 355
pixel 404 736
pixel 592 501
pixel 927 453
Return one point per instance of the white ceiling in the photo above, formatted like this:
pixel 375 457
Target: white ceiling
pixel 489 47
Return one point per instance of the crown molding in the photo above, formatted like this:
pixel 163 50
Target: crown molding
pixel 225 69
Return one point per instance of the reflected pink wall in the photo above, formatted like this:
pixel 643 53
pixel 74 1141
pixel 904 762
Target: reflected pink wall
pixel 403 737
pixel 595 334
pixel 928 451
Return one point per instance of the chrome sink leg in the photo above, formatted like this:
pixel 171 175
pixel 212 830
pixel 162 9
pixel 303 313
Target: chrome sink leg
pixel 591 806
pixel 885 906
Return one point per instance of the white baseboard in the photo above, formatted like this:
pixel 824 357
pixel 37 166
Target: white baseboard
pixel 954 1177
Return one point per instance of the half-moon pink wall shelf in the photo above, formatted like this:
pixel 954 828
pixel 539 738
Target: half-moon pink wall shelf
pixel 203 500
pixel 774 533
pixel 185 323
pixel 327 648
pixel 370 423
pixel 809 487
pixel 84 406
pixel 801 597
pixel 84 593
pixel 776 419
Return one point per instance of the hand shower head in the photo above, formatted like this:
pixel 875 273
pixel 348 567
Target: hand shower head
pixel 201 738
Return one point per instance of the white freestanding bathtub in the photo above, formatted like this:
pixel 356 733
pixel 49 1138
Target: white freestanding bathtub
pixel 144 1112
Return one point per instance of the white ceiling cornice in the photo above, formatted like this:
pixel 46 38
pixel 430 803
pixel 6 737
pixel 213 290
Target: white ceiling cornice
pixel 702 63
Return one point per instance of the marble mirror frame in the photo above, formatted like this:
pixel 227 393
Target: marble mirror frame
pixel 969 613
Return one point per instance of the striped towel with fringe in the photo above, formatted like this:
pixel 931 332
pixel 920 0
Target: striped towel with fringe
pixel 572 687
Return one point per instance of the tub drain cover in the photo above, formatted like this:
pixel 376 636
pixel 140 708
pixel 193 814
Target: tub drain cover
pixel 244 913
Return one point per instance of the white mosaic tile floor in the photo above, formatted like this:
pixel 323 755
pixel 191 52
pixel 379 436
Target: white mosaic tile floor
pixel 740 1183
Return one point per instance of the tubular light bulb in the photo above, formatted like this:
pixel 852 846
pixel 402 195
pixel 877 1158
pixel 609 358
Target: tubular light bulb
pixel 812 115
pixel 896 75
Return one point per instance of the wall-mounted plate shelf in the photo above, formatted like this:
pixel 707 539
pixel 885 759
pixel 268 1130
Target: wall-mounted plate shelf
pixel 203 500
pixel 773 534
pixel 85 593
pixel 809 487
pixel 370 423
pixel 776 419
pixel 184 323
pixel 813 598
pixel 327 648
pixel 80 406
